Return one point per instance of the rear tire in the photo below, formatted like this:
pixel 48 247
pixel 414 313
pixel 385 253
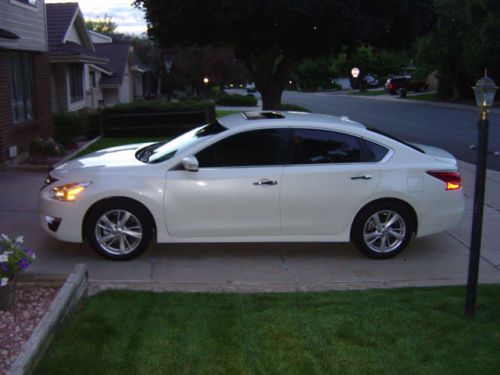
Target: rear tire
pixel 119 229
pixel 382 230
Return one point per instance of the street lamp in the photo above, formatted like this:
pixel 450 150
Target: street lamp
pixel 206 81
pixel 168 59
pixel 355 74
pixel 484 92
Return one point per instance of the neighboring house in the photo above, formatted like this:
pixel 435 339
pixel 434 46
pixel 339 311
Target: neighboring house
pixel 74 64
pixel 24 76
pixel 125 83
pixel 88 70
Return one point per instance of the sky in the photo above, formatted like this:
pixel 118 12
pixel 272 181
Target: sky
pixel 129 19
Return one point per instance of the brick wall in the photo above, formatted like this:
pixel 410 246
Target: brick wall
pixel 20 134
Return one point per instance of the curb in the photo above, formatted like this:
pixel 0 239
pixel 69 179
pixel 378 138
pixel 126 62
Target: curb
pixel 73 290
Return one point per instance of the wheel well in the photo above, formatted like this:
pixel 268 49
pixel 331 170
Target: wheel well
pixel 117 199
pixel 410 209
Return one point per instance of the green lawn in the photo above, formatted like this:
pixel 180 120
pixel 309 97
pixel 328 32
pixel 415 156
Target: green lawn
pixel 371 93
pixel 402 331
pixel 431 97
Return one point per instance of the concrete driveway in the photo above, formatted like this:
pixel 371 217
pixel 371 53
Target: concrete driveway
pixel 440 259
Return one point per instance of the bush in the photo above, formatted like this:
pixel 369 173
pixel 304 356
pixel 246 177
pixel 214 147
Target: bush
pixel 154 106
pixel 293 107
pixel 68 127
pixel 45 147
pixel 237 100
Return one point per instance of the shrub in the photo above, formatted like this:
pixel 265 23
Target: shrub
pixel 68 127
pixel 152 106
pixel 45 147
pixel 237 100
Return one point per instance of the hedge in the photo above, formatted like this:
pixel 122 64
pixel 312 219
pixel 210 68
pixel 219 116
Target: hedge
pixel 236 100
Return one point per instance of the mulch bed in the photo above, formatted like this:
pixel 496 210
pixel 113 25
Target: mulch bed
pixel 18 323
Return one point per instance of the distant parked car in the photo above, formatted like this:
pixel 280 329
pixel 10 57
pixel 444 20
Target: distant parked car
pixel 395 84
pixel 256 177
pixel 371 81
pixel 251 87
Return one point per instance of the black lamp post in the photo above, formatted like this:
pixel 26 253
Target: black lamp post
pixel 484 91
pixel 168 59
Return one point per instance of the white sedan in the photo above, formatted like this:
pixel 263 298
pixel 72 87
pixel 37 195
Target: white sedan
pixel 256 177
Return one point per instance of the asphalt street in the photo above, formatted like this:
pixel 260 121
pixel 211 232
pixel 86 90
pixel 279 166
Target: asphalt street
pixel 451 127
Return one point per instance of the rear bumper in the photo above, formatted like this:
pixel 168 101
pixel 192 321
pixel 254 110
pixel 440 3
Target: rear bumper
pixel 440 215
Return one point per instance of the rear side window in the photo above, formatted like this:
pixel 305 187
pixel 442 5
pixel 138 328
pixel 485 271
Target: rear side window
pixel 375 151
pixel 247 149
pixel 310 146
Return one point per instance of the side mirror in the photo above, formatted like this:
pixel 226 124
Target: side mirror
pixel 191 164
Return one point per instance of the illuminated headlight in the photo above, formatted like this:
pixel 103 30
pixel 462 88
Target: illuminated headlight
pixel 68 192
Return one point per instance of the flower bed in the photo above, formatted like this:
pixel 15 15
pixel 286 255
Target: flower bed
pixel 18 323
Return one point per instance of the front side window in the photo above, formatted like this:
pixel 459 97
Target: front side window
pixel 22 104
pixel 76 82
pixel 247 149
pixel 311 146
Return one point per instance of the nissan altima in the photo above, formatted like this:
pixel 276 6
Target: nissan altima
pixel 256 177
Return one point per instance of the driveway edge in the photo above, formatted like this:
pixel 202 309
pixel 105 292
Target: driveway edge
pixel 72 291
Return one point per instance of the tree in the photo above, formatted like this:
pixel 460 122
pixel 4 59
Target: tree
pixel 311 73
pixel 272 36
pixel 104 25
pixel 464 43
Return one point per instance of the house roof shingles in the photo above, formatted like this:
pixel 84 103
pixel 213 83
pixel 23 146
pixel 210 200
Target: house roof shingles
pixel 117 54
pixel 59 18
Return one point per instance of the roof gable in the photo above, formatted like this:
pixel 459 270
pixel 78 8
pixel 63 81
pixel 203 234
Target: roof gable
pixel 62 20
pixel 118 56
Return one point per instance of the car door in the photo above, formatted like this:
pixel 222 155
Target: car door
pixel 234 193
pixel 324 181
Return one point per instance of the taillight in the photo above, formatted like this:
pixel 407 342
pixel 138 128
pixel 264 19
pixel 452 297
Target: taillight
pixel 452 180
pixel 389 86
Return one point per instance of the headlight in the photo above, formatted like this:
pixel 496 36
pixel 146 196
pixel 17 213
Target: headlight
pixel 49 180
pixel 68 192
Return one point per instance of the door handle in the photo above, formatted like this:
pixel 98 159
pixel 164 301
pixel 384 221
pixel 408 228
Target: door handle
pixel 265 181
pixel 364 177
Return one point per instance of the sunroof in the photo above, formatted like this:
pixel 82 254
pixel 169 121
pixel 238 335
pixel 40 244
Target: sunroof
pixel 263 115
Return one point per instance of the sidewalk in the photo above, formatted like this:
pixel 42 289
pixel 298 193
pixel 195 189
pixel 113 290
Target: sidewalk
pixel 441 259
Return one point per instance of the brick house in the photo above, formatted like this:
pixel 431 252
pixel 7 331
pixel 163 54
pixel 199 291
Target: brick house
pixel 25 107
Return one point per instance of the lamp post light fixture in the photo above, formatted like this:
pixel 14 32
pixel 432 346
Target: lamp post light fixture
pixel 484 92
pixel 206 81
pixel 355 74
pixel 168 59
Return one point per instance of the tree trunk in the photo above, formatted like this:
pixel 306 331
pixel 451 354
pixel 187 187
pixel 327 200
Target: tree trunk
pixel 270 74
pixel 271 96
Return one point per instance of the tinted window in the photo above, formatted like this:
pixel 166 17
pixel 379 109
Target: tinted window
pixel 320 146
pixel 257 147
pixel 375 151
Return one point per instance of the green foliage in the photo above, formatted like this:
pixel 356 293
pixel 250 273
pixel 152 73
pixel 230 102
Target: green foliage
pixel 68 127
pixel 236 100
pixel 104 24
pixel 41 147
pixel 465 42
pixel 311 74
pixel 13 258
pixel 152 106
pixel 368 59
pixel 417 331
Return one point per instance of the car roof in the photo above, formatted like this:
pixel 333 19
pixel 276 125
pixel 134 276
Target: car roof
pixel 288 119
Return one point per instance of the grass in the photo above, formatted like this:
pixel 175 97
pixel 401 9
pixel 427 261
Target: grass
pixel 431 97
pixel 370 93
pixel 401 331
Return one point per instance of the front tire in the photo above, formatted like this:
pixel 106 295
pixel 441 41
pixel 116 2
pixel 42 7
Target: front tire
pixel 382 230
pixel 119 229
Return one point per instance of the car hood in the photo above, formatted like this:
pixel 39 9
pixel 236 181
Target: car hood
pixel 437 153
pixel 110 158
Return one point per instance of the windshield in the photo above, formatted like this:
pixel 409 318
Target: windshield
pixel 158 152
